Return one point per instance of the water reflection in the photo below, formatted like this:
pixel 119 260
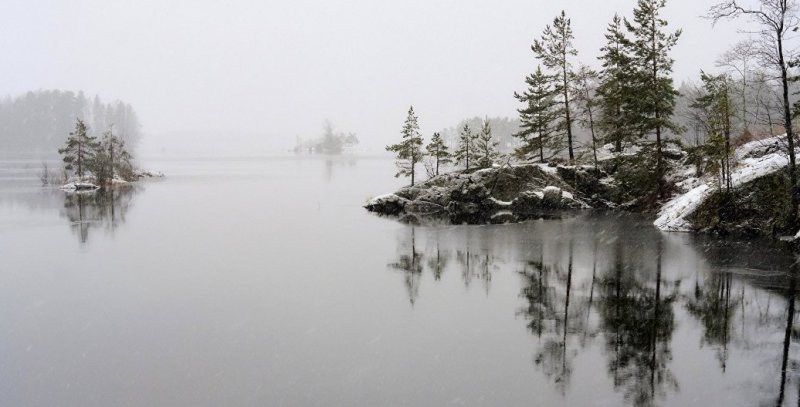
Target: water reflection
pixel 638 321
pixel 600 291
pixel 105 208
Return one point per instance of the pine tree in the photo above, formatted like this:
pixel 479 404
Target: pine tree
pixel 485 147
pixel 554 49
pixel 437 149
pixel 615 91
pixel 79 150
pixel 409 150
pixel 718 109
pixel 465 151
pixel 112 159
pixel 536 116
pixel 655 101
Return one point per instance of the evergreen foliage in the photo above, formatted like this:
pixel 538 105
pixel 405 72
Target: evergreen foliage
pixel 615 93
pixel 37 121
pixel 112 159
pixel 715 106
pixel 80 150
pixel 554 50
pixel 537 116
pixel 437 150
pixel 465 151
pixel 485 146
pixel 409 150
pixel 653 99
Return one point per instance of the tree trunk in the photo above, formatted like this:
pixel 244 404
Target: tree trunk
pixel 787 117
pixel 566 110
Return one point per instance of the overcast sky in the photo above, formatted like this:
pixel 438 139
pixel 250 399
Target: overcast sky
pixel 266 71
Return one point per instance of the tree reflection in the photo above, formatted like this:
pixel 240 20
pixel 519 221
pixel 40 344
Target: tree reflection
pixel 791 295
pixel 411 265
pixel 712 305
pixel 104 207
pixel 437 263
pixel 638 321
pixel 552 316
pixel 475 266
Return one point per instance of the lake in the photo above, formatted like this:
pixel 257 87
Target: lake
pixel 262 281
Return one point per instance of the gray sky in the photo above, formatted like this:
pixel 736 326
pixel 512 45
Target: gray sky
pixel 266 71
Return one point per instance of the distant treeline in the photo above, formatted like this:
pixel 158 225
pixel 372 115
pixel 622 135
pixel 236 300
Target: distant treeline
pixel 503 130
pixel 40 121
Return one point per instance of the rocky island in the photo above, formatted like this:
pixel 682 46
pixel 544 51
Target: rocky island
pixel 523 191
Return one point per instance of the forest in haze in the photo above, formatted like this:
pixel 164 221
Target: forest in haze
pixel 39 122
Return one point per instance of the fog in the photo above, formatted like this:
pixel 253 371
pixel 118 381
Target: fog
pixel 250 76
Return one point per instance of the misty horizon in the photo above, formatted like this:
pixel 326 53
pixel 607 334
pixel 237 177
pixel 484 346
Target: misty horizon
pixel 262 74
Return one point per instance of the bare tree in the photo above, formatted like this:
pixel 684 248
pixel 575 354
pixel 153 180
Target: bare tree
pixel 738 60
pixel 775 20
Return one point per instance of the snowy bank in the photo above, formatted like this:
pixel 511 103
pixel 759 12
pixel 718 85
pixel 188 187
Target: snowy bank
pixel 755 160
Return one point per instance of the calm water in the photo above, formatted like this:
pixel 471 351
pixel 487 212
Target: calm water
pixel 263 282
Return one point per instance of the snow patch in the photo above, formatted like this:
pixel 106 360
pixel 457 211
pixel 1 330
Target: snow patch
pixel 673 216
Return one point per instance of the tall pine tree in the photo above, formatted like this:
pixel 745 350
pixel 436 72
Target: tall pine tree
pixel 554 50
pixel 615 90
pixel 537 115
pixel 79 150
pixel 409 150
pixel 655 101
pixel 465 151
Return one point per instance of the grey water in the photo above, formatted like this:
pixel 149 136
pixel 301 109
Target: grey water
pixel 262 281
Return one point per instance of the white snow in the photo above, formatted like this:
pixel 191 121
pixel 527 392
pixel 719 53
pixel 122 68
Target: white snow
pixel 764 144
pixel 607 152
pixel 79 186
pixel 552 189
pixel 383 198
pixel 673 216
pixel 499 202
pixel 548 169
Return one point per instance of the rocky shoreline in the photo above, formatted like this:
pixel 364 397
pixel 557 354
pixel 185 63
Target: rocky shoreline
pixel 498 195
pixel 524 191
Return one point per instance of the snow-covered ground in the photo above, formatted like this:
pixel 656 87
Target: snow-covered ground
pixel 751 164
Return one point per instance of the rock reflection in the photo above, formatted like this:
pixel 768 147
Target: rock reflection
pixel 105 208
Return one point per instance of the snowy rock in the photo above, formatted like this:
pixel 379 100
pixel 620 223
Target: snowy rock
pixel 79 186
pixel 551 197
pixel 389 204
pixel 493 195
pixel 752 165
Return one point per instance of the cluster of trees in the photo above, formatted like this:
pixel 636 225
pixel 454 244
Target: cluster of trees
pixel 629 101
pixel 103 158
pixel 503 130
pixel 37 121
pixel 631 107
pixel 473 149
pixel 331 142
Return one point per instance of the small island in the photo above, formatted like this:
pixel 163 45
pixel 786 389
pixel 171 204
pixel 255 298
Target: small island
pixel 715 157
